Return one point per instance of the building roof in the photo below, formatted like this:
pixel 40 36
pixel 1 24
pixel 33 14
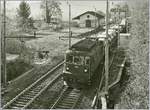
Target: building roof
pixel 84 45
pixel 98 14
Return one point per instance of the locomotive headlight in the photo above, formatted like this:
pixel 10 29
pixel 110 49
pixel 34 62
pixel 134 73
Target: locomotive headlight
pixel 67 68
pixel 85 70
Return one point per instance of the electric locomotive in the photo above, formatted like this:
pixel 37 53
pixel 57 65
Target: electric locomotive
pixel 83 58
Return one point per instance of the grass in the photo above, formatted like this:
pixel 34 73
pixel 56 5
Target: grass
pixel 16 87
pixel 17 68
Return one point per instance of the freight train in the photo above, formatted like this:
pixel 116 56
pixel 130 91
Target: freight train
pixel 83 58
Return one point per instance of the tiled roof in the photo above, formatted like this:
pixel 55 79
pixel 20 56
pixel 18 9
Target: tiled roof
pixel 98 14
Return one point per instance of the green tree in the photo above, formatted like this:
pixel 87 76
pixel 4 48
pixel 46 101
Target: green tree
pixel 50 8
pixel 24 20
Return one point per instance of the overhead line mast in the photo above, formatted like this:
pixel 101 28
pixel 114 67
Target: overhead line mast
pixel 4 45
pixel 106 52
pixel 70 26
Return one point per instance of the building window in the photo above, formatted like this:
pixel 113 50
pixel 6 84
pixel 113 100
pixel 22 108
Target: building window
pixel 88 16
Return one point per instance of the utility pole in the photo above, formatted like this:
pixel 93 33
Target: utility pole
pixel 118 9
pixel 95 17
pixel 95 21
pixel 69 25
pixel 4 45
pixel 1 38
pixel 47 14
pixel 106 53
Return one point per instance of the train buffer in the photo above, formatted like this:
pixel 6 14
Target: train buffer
pixel 102 97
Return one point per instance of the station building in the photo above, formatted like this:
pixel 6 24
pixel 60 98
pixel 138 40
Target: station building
pixel 90 19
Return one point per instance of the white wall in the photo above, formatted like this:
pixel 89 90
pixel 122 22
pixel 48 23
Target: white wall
pixel 83 18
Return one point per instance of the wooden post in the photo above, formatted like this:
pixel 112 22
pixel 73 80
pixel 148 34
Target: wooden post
pixel 1 39
pixel 118 27
pixel 106 53
pixel 95 19
pixel 69 25
pixel 47 14
pixel 4 44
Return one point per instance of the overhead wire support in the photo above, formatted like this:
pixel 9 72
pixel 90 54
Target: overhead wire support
pixel 106 51
pixel 70 33
pixel 3 44
pixel 70 26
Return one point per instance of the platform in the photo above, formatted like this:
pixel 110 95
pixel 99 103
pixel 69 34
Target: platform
pixel 115 71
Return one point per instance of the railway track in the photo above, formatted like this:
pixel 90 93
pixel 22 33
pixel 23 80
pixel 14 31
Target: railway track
pixel 29 94
pixel 68 99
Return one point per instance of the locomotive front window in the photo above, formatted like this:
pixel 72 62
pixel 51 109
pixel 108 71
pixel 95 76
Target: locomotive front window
pixel 69 59
pixel 87 60
pixel 77 60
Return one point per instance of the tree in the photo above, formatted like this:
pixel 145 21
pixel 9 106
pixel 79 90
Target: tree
pixel 51 8
pixel 23 16
pixel 119 8
pixel 24 10
pixel 136 94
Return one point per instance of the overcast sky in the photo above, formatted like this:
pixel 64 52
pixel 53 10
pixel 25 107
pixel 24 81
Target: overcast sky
pixel 77 7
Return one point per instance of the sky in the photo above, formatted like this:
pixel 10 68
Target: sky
pixel 77 7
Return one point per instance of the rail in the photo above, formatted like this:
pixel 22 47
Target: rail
pixel 32 85
pixel 68 99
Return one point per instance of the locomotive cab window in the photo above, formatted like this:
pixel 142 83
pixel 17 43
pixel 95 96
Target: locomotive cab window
pixel 77 60
pixel 87 60
pixel 69 59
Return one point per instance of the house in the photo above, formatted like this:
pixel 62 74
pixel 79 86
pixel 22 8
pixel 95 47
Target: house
pixel 90 19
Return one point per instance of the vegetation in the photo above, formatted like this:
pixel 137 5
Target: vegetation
pixel 14 70
pixel 136 93
pixel 13 46
pixel 24 20
pixel 51 8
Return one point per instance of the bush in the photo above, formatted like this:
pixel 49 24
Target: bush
pixel 136 94
pixel 13 46
pixel 16 68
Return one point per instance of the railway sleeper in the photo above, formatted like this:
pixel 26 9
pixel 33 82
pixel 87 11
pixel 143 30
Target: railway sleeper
pixel 68 102
pixel 74 93
pixel 14 107
pixel 28 95
pixel 37 90
pixel 76 90
pixel 70 99
pixel 25 98
pixel 66 105
pixel 33 92
pixel 22 100
pixel 18 105
pixel 63 107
